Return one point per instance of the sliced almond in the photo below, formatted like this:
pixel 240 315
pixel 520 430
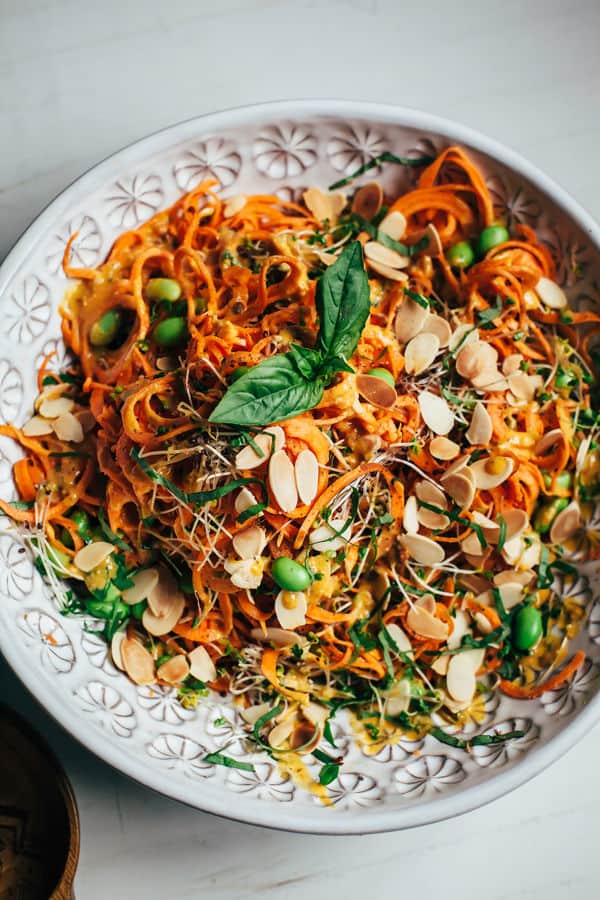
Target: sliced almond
pixel 367 200
pixel 426 625
pixel 394 225
pixel 443 448
pixel 420 352
pixel 244 500
pixel 376 391
pixel 282 481
pixel 164 594
pixel 271 440
pixel 280 637
pixel 551 294
pixel 166 364
pixel 174 670
pixel 436 412
pixel 410 519
pixel 511 593
pixel 461 623
pixel 566 523
pixel 306 469
pixel 410 319
pixel 324 207
pixel 509 576
pixel 137 662
pixel 461 487
pixel 440 664
pixel 201 665
pixel 524 386
pixel 37 427
pixel 433 495
pixel 422 549
pixel 549 442
pixel 474 358
pixel 484 626
pixel 115 649
pixel 399 698
pixel 290 609
pixel 387 271
pixel 330 536
pixel 480 430
pixel 278 735
pixel 163 624
pixel 463 335
pixel 490 380
pixel 399 637
pixel 512 364
pixel 234 205
pixel 385 256
pixel 437 325
pixel 460 680
pixel 92 555
pixel 68 428
pixel 471 545
pixel 144 583
pixel 53 407
pixel 252 714
pixel 457 466
pixel 517 521
pixel 427 602
pixel 491 472
pixel 250 542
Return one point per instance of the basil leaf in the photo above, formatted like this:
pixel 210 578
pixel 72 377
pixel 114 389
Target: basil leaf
pixel 386 156
pixel 343 302
pixel 220 759
pixel 270 392
pixel 112 536
pixel 480 740
pixel 307 361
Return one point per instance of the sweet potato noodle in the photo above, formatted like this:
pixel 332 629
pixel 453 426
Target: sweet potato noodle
pixel 322 454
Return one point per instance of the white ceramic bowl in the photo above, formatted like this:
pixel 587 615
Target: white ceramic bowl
pixel 281 147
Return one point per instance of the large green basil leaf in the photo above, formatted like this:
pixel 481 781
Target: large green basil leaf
pixel 270 392
pixel 307 361
pixel 343 303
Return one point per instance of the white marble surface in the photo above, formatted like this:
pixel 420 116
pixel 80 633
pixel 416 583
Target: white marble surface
pixel 77 81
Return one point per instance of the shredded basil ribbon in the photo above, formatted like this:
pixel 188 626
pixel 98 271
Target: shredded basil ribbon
pixel 479 740
pixel 220 759
pixel 263 721
pixel 455 517
pixel 376 161
pixel 110 534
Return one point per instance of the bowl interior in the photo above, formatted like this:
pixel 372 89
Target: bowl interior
pixel 276 148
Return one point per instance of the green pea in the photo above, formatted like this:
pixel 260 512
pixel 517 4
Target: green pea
pixel 163 289
pixel 490 237
pixel 547 513
pixel 564 480
pixel 104 331
pixel 170 332
pixel 290 575
pixel 82 520
pixel 101 609
pixel 527 627
pixel 241 370
pixel 564 379
pixel 384 374
pixel 461 255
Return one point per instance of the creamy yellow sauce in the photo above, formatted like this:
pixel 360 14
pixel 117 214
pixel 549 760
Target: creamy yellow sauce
pixel 293 766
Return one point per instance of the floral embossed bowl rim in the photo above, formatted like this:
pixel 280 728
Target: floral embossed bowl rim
pixel 283 146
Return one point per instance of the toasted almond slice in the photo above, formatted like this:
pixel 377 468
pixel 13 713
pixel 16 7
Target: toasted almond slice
pixel 164 594
pixel 523 386
pixel 87 419
pixel 379 253
pixel 471 545
pixel 461 487
pixel 51 392
pixel 511 593
pixel 566 523
pixel 426 625
pixel 252 714
pixel 250 542
pixel 456 466
pixel 306 469
pixel 174 670
pixel 513 550
pixel 37 427
pixel 517 521
pixel 427 602
pixel 277 636
pixel 53 407
pixel 490 380
pixel 431 519
pixel 399 699
pixel 244 500
pixel 290 609
pixel 367 200
pixel 512 364
pixel 431 493
pixel 509 576
pixel 201 665
pixel 234 205
pixel 399 637
pixel 484 626
pixel 92 555
pixel 437 325
pixel 474 358
pixel 436 413
pixel 422 549
pixel 443 448
pixel 531 554
pixel 68 428
pixel 137 662
pixel 410 519
pixel 281 732
pixel 410 319
pixel 271 439
pixel 420 352
pixel 460 680
pixel 551 294
pixel 330 536
pixel 163 624
pixel 324 207
pixel 144 583
pixel 461 336
pixel 115 649
pixel 376 391
pixel 326 258
pixel 491 472
pixel 461 623
pixel 440 665
pixel 480 430
pixel 387 271
pixel 166 364
pixel 394 225
pixel 549 441
pixel 282 481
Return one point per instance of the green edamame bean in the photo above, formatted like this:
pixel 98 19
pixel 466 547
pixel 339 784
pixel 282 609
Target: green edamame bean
pixel 170 332
pixel 82 521
pixel 564 480
pixel 546 515
pixel 490 237
pixel 564 379
pixel 101 609
pixel 461 255
pixel 290 575
pixel 241 370
pixel 384 374
pixel 163 289
pixel 527 627
pixel 105 330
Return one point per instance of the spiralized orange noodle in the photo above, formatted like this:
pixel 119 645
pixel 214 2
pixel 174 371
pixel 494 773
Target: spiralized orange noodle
pixel 320 455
